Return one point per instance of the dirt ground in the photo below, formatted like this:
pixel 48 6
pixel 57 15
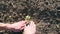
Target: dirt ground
pixel 45 13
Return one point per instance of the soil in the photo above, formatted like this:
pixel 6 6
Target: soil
pixel 45 13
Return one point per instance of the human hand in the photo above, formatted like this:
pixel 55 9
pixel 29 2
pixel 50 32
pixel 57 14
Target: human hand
pixel 30 29
pixel 16 27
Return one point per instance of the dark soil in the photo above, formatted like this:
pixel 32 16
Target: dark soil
pixel 45 13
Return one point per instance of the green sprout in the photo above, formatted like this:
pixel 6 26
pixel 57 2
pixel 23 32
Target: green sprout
pixel 27 17
pixel 57 25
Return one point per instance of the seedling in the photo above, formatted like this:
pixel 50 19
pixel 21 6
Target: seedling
pixel 28 19
pixel 57 25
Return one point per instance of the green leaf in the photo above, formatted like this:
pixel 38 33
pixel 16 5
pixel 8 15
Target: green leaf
pixel 27 17
pixel 57 25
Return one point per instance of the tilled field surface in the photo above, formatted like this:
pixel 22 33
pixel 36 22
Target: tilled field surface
pixel 45 13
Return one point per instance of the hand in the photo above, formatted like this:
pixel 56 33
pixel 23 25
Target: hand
pixel 16 26
pixel 30 29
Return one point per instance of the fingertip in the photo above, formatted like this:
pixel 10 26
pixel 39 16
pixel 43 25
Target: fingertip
pixel 32 22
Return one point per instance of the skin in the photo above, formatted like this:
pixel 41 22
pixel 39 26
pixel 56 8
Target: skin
pixel 17 27
pixel 30 29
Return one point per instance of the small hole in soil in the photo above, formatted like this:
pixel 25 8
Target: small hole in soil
pixel 46 3
pixel 58 8
pixel 44 0
pixel 0 20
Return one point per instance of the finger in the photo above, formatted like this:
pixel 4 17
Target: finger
pixel 23 26
pixel 32 23
pixel 26 27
